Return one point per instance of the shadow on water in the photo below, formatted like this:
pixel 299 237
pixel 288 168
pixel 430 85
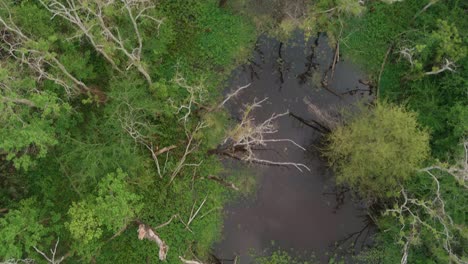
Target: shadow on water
pixel 300 211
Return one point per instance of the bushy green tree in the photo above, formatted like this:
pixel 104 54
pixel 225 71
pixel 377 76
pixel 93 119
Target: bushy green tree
pixel 378 150
pixel 21 230
pixel 30 116
pixel 112 209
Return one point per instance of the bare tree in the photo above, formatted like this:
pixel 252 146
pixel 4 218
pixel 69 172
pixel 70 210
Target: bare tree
pixel 413 208
pixel 102 32
pixel 249 134
pixel 22 48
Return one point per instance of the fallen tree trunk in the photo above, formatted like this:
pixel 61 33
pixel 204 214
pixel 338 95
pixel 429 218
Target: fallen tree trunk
pixel 145 231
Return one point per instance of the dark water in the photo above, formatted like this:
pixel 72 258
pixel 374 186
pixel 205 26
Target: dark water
pixel 295 210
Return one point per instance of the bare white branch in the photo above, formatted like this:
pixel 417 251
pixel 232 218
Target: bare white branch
pixel 145 231
pixel 248 134
pixel 91 21
pixel 186 261
pixel 192 214
pixel 233 94
pixel 19 46
pixel 448 66
pixel 53 251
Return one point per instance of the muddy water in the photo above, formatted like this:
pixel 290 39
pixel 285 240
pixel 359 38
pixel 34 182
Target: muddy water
pixel 292 209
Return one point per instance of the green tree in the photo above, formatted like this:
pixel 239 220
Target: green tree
pixel 114 207
pixel 30 116
pixel 379 149
pixel 21 230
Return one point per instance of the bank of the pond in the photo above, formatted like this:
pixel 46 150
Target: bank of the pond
pixel 294 210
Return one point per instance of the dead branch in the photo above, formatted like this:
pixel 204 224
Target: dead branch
pixel 336 57
pixel 223 182
pixel 189 148
pixel 21 101
pixel 19 261
pixel 194 214
pixel 408 54
pixel 53 251
pixel 195 97
pixel 146 232
pixel 413 208
pixel 432 2
pixel 313 124
pixel 91 21
pixel 382 67
pixel 248 135
pixel 129 120
pixel 325 85
pixel 326 119
pixel 233 94
pixel 18 45
pixel 186 261
pixel 448 66
pixel 165 149
pixel 458 171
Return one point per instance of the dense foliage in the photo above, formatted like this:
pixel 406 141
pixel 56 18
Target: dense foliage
pixel 420 60
pixel 404 57
pixel 106 122
pixel 377 150
pixel 108 110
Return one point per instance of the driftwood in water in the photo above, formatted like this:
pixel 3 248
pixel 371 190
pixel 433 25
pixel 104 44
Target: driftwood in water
pixel 324 84
pixel 315 125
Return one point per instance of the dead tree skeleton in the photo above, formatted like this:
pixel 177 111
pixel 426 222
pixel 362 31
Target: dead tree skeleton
pixel 249 134
pixel 408 54
pixel 92 22
pixel 22 48
pixel 411 207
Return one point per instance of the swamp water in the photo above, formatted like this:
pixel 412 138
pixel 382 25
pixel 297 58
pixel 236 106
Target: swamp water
pixel 295 211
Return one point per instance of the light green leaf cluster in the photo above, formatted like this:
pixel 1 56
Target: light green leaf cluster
pixel 112 209
pixel 20 230
pixel 378 150
pixel 28 115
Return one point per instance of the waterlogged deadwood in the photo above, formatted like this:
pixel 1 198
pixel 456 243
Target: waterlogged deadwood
pixel 249 135
pixel 146 232
pixel 328 120
pixel 233 94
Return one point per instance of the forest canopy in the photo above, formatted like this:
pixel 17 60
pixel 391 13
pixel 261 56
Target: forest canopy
pixel 111 111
